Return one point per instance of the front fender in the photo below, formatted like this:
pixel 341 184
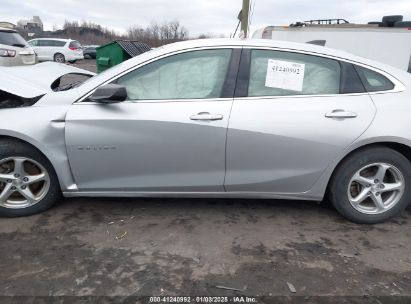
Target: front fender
pixel 43 128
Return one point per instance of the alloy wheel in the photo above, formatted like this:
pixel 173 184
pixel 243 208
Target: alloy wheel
pixel 376 188
pixel 23 182
pixel 59 58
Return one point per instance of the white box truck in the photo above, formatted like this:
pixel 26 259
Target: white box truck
pixel 388 41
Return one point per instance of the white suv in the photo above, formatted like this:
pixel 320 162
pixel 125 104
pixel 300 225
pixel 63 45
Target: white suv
pixel 60 50
pixel 14 50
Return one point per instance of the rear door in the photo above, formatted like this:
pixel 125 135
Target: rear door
pixel 169 136
pixel 293 114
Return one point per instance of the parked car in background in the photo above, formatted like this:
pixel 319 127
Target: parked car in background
pixel 89 52
pixel 59 50
pixel 212 118
pixel 14 50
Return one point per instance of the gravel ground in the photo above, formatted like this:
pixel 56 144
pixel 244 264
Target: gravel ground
pixel 123 247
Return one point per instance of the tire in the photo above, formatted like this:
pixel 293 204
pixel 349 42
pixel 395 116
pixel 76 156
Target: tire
pixel 43 193
pixel 58 57
pixel 87 56
pixel 358 197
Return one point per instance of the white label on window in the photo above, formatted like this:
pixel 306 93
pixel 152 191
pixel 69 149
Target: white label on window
pixel 285 75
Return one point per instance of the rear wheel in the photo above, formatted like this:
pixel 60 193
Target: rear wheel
pixel 372 185
pixel 59 58
pixel 28 183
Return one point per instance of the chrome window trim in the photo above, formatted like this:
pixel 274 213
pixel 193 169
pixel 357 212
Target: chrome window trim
pixel 398 85
pixel 80 100
pixel 300 96
pixel 161 101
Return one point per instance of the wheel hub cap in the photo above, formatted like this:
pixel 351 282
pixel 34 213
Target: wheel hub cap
pixel 376 188
pixel 23 182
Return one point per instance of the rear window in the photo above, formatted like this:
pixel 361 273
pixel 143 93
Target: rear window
pixel 75 44
pixel 12 39
pixel 58 43
pixel 373 81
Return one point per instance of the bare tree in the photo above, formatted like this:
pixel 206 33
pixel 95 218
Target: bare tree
pixel 156 35
pixel 88 32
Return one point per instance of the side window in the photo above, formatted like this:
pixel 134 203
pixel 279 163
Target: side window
pixel 191 75
pixel 59 43
pixel 33 43
pixel 278 73
pixel 45 43
pixel 350 80
pixel 373 81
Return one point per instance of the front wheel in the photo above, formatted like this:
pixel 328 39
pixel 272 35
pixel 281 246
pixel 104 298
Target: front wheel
pixel 372 185
pixel 28 183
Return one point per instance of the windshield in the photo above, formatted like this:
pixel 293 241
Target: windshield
pixel 12 39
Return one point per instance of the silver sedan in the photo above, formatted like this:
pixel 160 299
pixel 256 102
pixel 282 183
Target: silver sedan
pixel 211 118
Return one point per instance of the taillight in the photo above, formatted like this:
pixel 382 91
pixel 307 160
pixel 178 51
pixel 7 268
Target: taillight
pixel 7 53
pixel 73 48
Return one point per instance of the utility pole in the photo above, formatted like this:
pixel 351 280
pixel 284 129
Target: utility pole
pixel 244 17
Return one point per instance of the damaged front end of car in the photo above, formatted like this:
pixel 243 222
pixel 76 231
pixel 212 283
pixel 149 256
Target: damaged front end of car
pixel 23 86
pixel 8 100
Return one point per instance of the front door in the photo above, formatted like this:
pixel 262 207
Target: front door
pixel 169 135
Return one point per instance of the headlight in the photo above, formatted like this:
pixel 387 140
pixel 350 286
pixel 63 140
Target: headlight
pixel 7 53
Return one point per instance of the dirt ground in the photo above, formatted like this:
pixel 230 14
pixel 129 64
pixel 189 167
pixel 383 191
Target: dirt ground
pixel 134 247
pixel 190 246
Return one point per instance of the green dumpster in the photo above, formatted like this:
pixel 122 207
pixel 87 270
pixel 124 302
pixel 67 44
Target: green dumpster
pixel 115 52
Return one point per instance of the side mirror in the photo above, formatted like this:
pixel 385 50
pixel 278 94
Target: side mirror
pixel 109 93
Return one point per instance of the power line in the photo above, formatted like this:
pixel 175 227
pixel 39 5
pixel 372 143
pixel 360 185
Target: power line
pixel 236 29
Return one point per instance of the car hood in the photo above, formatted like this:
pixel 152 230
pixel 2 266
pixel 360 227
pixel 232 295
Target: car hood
pixel 35 80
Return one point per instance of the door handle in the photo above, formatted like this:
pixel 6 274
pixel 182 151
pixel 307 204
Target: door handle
pixel 340 114
pixel 206 116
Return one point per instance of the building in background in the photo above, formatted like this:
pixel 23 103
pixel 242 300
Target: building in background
pixel 32 24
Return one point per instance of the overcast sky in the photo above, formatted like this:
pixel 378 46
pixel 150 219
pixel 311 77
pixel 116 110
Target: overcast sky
pixel 198 16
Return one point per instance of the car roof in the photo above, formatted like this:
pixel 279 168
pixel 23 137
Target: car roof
pixel 57 39
pixel 281 45
pixel 5 29
pixel 262 43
